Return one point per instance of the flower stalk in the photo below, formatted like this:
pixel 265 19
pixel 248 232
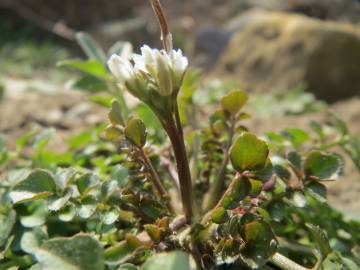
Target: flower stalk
pixel 166 36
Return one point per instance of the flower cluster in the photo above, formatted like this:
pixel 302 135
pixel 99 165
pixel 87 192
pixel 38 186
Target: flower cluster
pixel 153 69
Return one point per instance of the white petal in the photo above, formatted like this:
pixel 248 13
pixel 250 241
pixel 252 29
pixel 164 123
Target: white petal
pixel 180 65
pixel 113 64
pixel 164 79
pixel 120 68
pixel 139 62
pixel 148 54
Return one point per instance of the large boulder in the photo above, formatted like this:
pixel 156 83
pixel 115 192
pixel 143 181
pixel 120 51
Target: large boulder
pixel 271 50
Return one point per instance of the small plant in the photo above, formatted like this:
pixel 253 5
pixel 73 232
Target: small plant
pixel 215 197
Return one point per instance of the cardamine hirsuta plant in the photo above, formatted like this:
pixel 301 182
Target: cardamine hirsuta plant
pixel 207 196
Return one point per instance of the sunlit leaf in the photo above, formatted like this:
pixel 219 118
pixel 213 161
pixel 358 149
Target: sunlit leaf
pixel 260 243
pixel 248 153
pixel 114 115
pixel 219 215
pixel 324 166
pixel 38 185
pixel 135 131
pixel 296 136
pixel 175 260
pixel 80 252
pixel 234 101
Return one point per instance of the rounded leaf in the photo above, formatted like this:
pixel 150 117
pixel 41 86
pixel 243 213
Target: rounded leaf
pixel 113 133
pixel 114 115
pixel 260 243
pixel 323 166
pixel 81 252
pixel 175 260
pixel 38 185
pixel 234 101
pixel 248 153
pixel 240 188
pixel 135 132
pixel 219 215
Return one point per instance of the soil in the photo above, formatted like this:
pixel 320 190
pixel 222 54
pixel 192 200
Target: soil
pixel 70 112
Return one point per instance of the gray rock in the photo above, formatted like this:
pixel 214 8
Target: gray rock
pixel 280 51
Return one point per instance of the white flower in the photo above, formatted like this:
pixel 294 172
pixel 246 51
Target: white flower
pixel 165 70
pixel 120 68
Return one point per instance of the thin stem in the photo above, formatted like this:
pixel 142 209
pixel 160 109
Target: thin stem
pixel 178 120
pixel 165 33
pixel 285 263
pixel 156 181
pixel 215 191
pixel 182 166
pixel 207 216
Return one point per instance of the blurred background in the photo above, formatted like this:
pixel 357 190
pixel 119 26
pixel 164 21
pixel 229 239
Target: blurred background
pixel 300 58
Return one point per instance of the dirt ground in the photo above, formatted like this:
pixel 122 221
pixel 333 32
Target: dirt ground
pixel 70 112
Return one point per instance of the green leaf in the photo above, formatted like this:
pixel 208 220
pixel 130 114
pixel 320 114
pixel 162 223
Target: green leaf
pixel 318 129
pixel 86 210
pixel 150 208
pixel 115 115
pixel 36 218
pixel 175 260
pixel 135 132
pixel 153 231
pixel 152 122
pixel 113 133
pixel 64 177
pixel 87 182
pixel 295 160
pixel 127 266
pixel 31 240
pixel 336 261
pixel 67 213
pixel 234 101
pixel 90 84
pixel 81 252
pixel 240 188
pixel 58 203
pixel 91 48
pixel 323 166
pixel 102 100
pixel 220 215
pixel 43 138
pixel 91 67
pixel 110 216
pixel 260 243
pixel 317 190
pixel 248 153
pixel 296 136
pixel 7 221
pixel 274 137
pixel 256 187
pixel 38 185
pixel 117 253
pixel 321 240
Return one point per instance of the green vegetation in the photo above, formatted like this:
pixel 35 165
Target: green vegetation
pixel 161 186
